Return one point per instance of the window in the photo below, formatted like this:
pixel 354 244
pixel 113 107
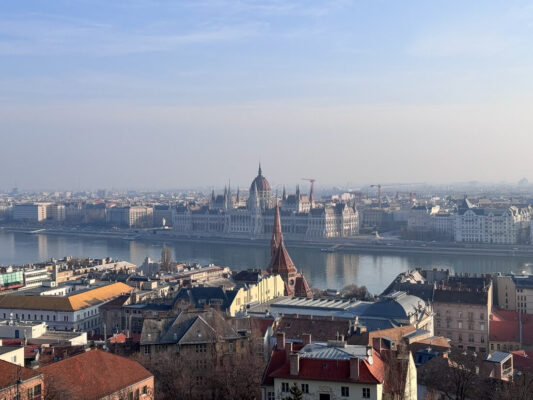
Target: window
pixel 231 347
pixel 146 349
pixel 345 391
pixel 285 387
pixel 460 325
pixel 37 390
pixel 271 396
pixel 470 338
pixel 482 326
pixel 145 389
pixel 492 346
pixel 201 348
pixel 305 388
pixel 482 316
pixel 366 393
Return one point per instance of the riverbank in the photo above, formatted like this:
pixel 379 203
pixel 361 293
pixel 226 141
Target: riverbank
pixel 361 244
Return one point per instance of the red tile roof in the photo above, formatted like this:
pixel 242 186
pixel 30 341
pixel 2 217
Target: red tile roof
pixel 504 331
pixel 9 373
pixel 324 369
pixel 95 374
pixel 523 360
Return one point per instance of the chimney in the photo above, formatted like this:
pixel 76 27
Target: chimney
pixel 295 364
pixel 354 368
pixel 376 343
pixel 288 350
pixel 280 340
pixel 306 338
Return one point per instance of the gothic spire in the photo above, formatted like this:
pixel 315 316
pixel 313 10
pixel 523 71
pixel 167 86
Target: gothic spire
pixel 277 234
pixel 259 172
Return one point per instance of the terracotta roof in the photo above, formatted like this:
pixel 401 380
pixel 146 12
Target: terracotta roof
pixel 9 373
pixel 70 303
pixel 523 360
pixel 301 288
pixel 282 262
pixel 325 369
pixel 395 334
pixel 95 374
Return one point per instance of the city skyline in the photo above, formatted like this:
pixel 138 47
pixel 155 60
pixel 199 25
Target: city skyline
pixel 164 94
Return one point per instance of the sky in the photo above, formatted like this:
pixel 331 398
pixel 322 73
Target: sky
pixel 139 94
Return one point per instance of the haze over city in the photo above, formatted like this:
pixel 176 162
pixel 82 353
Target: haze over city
pixel 141 94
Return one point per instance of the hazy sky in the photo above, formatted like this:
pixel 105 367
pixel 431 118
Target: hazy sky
pixel 166 94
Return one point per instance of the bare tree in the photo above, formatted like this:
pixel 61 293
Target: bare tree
pixel 455 377
pixel 166 258
pixel 356 292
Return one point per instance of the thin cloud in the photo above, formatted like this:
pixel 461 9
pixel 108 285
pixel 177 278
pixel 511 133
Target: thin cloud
pixel 44 37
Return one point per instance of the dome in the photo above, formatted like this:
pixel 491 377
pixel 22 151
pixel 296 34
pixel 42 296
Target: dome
pixel 261 183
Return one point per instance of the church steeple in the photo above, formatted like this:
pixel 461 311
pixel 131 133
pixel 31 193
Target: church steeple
pixel 277 235
pixel 259 172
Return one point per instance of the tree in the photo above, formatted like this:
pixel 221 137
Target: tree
pixel 166 258
pixel 456 377
pixel 295 393
pixel 356 292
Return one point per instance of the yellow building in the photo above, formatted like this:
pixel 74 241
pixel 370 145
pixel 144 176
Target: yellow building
pixel 265 290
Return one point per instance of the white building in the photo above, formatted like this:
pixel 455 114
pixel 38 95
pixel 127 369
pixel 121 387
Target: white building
pixel 34 277
pixel 56 212
pixel 34 212
pixel 78 311
pixel 509 225
pixel 332 370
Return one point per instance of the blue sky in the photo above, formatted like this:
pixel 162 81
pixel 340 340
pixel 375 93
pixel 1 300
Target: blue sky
pixel 164 94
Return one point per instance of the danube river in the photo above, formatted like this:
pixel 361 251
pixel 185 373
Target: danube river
pixel 323 270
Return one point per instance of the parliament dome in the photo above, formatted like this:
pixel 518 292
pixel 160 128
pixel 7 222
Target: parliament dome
pixel 260 182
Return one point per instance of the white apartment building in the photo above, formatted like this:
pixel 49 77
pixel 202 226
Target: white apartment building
pixel 35 212
pixel 492 225
pixel 56 212
pixel 35 277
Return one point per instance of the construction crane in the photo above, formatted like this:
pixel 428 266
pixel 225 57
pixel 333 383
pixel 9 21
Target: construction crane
pixel 379 186
pixel 312 193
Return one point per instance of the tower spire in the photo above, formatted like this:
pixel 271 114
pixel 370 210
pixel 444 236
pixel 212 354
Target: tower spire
pixel 259 172
pixel 277 234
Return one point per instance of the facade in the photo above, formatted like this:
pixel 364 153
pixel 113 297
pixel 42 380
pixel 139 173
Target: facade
pixel 34 277
pixel 509 225
pixel 56 212
pixel 267 288
pixel 12 354
pixel 11 278
pixel 130 216
pixel 420 218
pixel 78 311
pixel 34 212
pixel 225 216
pixel 334 370
pixel 462 308
pixel 514 293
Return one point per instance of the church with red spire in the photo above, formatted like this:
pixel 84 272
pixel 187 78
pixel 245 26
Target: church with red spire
pixel 282 264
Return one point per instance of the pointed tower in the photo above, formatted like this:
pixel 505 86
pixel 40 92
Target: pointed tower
pixel 297 192
pixel 238 199
pixel 259 172
pixel 284 195
pixel 277 235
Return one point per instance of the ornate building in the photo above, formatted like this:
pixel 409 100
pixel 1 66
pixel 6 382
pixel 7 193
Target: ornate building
pixel 282 264
pixel 229 216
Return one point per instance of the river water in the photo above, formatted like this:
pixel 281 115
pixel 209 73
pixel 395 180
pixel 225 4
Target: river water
pixel 322 270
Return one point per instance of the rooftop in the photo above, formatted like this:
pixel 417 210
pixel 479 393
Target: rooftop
pixel 69 303
pixel 95 374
